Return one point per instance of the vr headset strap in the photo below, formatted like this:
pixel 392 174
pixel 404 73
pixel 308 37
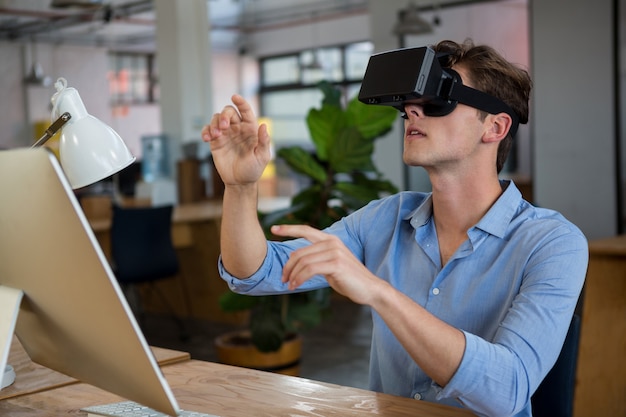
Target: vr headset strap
pixel 482 101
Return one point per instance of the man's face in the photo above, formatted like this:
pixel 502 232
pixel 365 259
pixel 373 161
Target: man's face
pixel 437 142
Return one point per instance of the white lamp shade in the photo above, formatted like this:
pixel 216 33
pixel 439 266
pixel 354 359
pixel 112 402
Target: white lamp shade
pixel 89 149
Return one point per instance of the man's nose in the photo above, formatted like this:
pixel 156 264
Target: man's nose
pixel 414 109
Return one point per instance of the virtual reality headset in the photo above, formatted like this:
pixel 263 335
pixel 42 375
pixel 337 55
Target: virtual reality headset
pixel 397 77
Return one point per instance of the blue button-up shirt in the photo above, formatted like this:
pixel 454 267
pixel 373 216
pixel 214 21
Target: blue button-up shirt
pixel 511 287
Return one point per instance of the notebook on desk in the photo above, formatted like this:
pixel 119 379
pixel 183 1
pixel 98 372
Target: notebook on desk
pixel 73 317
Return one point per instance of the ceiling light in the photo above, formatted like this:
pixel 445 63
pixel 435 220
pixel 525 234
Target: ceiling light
pixel 411 23
pixel 36 76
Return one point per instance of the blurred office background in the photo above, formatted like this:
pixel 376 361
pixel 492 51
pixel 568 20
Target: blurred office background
pixel 157 70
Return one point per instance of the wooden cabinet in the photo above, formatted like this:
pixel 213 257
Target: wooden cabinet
pixel 601 371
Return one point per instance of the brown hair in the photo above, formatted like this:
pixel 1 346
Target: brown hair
pixel 492 74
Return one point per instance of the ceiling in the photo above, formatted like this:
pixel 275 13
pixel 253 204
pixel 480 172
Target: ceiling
pixel 129 24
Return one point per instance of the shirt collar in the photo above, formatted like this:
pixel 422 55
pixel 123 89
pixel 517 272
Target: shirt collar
pixel 495 221
pixel 422 214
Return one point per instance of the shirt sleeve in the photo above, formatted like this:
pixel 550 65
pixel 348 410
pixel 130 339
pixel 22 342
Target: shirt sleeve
pixel 498 377
pixel 267 280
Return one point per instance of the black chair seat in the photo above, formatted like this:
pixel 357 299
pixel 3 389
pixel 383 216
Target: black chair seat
pixel 141 244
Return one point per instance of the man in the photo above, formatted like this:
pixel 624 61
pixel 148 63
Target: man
pixel 471 288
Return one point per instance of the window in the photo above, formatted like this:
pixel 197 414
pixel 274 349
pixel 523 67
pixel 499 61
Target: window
pixel 289 86
pixel 132 78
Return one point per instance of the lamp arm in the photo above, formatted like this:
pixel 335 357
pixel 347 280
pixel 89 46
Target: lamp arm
pixel 52 129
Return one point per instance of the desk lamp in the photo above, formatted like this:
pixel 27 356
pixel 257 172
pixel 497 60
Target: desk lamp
pixel 89 151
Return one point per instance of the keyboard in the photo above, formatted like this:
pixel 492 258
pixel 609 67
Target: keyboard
pixel 133 409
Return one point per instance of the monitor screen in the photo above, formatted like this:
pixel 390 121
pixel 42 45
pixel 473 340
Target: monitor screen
pixel 73 317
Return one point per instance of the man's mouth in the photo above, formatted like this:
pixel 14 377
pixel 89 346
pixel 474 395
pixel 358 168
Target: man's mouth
pixel 415 132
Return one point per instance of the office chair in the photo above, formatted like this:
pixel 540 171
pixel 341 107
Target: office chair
pixel 555 395
pixel 142 253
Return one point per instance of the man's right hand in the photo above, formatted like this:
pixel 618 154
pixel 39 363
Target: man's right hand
pixel 240 147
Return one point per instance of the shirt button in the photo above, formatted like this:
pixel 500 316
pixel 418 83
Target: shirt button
pixel 435 291
pixel 418 396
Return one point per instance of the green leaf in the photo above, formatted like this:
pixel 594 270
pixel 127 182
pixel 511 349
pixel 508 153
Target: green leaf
pixel 350 152
pixel 303 316
pixel 371 120
pixel 375 183
pixel 267 330
pixel 301 161
pixel 308 197
pixel 323 126
pixel 284 216
pixel 311 201
pixel 307 309
pixel 231 302
pixel 332 95
pixel 359 194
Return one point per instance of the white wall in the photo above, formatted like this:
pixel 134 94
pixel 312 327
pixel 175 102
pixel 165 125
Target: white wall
pixel 574 112
pixel 85 69
pixel 22 105
pixel 12 105
pixel 133 122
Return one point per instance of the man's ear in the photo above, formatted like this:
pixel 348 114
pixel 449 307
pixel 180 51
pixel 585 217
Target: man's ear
pixel 498 126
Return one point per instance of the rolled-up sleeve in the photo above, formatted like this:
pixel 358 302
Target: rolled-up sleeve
pixel 267 279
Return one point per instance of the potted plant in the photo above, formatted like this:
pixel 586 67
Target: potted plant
pixel 343 178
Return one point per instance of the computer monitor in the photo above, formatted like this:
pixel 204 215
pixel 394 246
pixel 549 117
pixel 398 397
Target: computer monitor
pixel 73 317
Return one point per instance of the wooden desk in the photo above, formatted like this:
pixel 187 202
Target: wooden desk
pixel 228 391
pixel 601 371
pixel 31 377
pixel 182 217
pixel 196 235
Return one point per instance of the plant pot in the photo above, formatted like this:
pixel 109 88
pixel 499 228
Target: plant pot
pixel 236 349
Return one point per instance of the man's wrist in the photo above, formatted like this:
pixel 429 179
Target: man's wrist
pixel 250 189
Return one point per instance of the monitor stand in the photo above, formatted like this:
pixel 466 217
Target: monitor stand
pixel 10 300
